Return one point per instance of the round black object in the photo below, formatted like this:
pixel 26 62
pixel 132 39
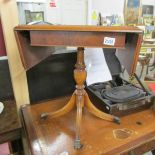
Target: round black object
pixel 121 93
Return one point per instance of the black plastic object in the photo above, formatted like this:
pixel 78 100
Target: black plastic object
pixel 52 78
pixel 112 61
pixel 6 90
pixel 122 93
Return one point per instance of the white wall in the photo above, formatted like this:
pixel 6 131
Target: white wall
pixel 148 2
pixel 105 7
pixel 70 12
pixel 108 7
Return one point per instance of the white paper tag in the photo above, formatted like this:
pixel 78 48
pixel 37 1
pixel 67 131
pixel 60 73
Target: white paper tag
pixel 109 41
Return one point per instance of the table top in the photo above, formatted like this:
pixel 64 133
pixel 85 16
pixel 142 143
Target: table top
pixel 9 122
pixel 56 136
pixel 32 40
pixel 79 28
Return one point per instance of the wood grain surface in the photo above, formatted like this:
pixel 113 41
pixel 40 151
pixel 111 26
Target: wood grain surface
pixel 56 136
pixel 78 28
pixel 31 37
pixel 10 128
pixel 72 38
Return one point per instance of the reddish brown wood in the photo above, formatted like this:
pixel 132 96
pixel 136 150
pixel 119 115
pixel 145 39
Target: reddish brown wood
pixel 80 77
pixel 79 98
pixel 31 55
pixel 77 39
pixel 64 110
pixel 10 128
pixel 82 36
pixel 137 51
pixel 55 136
pixel 128 29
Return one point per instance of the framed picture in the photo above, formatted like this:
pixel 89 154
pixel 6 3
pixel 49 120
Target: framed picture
pixel 147 10
pixel 147 13
pixel 34 16
pixel 132 11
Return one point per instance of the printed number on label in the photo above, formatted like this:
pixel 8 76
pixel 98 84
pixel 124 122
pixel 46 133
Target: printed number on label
pixel 109 41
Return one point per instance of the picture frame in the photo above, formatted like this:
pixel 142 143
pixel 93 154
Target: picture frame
pixel 147 10
pixel 147 13
pixel 34 16
pixel 132 12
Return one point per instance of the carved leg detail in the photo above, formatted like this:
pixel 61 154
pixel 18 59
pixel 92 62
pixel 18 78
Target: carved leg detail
pixel 79 104
pixel 92 109
pixel 68 107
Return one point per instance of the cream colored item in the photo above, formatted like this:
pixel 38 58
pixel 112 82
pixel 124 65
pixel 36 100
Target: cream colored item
pixel 1 107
